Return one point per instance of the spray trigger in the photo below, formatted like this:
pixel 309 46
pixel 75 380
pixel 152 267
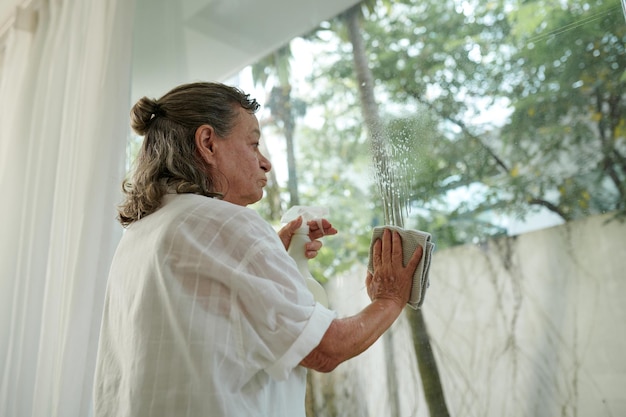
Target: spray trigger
pixel 308 213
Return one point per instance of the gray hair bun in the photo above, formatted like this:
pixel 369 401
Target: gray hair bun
pixel 143 113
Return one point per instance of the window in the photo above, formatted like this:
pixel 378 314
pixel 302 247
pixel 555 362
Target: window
pixel 500 128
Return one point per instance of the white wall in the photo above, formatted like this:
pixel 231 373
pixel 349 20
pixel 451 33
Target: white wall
pixel 532 325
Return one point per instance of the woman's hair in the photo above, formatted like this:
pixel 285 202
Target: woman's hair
pixel 168 158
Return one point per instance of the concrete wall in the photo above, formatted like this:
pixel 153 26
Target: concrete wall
pixel 533 325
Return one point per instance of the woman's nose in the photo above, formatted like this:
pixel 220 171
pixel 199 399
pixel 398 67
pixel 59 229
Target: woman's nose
pixel 265 163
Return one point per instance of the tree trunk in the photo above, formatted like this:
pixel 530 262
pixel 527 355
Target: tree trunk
pixel 309 400
pixel 393 215
pixel 282 99
pixel 427 365
pixel 272 190
pixel 381 163
pixel 378 141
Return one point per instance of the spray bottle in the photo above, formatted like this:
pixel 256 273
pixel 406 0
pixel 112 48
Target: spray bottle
pixel 299 239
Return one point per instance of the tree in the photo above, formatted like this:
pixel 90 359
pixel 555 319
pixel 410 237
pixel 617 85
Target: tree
pixel 283 107
pixel 481 100
pixel 393 203
pixel 546 134
pixel 384 172
pixel 572 97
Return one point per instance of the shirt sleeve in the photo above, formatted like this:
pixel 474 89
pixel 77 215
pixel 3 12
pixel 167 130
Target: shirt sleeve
pixel 311 336
pixel 281 318
pixel 274 320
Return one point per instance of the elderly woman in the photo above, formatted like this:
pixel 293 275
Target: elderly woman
pixel 205 312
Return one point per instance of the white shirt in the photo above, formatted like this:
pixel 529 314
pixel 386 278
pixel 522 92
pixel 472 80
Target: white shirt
pixel 205 315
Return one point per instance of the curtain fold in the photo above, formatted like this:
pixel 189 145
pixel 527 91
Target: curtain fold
pixel 64 100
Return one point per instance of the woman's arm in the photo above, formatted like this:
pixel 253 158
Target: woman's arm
pixel 389 289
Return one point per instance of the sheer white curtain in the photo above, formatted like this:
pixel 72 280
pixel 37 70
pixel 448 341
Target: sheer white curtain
pixel 64 100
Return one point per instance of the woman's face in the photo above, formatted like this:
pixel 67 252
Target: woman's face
pixel 241 166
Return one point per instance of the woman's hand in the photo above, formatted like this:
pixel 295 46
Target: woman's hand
pixel 391 279
pixel 389 288
pixel 315 232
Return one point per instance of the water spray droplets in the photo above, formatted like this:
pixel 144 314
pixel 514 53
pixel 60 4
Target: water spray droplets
pixel 394 175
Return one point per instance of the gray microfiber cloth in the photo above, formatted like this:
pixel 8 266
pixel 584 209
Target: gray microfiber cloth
pixel 410 240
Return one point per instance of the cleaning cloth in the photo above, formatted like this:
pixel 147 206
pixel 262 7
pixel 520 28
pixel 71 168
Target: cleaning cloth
pixel 410 240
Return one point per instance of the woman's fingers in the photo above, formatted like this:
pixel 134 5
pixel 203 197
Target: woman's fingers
pixel 311 248
pixel 391 278
pixel 377 254
pixel 318 229
pixel 415 259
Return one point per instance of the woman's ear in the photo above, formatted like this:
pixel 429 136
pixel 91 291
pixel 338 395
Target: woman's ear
pixel 205 142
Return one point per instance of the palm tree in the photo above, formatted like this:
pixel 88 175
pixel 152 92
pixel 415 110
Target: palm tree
pixel 280 103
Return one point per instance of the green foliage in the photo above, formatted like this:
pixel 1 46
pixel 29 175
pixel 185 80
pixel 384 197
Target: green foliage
pixel 554 76
pixel 277 64
pixel 569 105
pixel 335 173
pixel 491 109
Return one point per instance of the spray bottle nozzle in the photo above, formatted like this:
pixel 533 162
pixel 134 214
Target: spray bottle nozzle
pixel 308 213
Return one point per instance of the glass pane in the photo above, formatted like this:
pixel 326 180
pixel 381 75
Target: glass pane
pixel 496 126
pixel 493 120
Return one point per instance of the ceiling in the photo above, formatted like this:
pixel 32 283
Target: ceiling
pixel 189 40
pixel 179 41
